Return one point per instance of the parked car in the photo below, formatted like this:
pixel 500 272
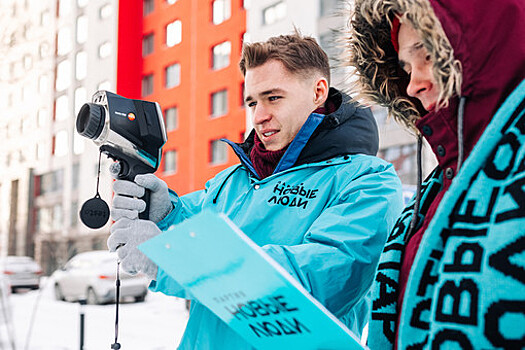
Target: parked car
pixel 21 272
pixel 91 276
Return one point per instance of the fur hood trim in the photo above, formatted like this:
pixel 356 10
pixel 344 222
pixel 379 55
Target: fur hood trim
pixel 380 80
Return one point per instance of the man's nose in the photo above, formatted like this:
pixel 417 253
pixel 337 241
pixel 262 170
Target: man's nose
pixel 261 114
pixel 419 83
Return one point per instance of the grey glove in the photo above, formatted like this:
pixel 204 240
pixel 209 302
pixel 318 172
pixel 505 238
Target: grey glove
pixel 127 235
pixel 127 202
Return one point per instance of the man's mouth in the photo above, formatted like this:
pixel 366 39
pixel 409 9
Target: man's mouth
pixel 269 133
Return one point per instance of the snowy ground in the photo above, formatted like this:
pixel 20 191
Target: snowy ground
pixel 156 324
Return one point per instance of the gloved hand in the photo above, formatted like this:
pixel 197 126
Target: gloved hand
pixel 125 206
pixel 127 235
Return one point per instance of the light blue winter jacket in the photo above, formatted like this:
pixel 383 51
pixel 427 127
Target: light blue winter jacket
pixel 324 221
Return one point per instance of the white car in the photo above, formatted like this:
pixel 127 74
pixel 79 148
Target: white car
pixel 91 276
pixel 21 272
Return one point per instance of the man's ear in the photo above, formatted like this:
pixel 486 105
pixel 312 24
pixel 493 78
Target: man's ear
pixel 321 91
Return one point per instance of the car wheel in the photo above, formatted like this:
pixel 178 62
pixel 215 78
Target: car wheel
pixel 91 297
pixel 140 298
pixel 58 293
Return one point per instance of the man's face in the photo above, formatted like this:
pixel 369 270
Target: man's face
pixel 279 102
pixel 416 61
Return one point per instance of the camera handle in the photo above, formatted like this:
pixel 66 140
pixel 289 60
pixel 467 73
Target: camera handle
pixel 128 169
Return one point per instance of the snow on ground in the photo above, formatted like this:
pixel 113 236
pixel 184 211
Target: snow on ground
pixel 156 324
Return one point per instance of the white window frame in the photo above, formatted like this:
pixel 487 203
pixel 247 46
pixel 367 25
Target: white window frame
pixel 174 33
pixel 221 55
pixel 172 76
pixel 222 108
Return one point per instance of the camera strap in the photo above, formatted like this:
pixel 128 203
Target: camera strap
pixel 95 211
pixel 116 345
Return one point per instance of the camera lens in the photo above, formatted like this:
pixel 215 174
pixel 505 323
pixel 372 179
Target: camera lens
pixel 90 120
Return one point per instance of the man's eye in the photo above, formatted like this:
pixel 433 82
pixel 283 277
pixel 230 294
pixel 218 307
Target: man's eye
pixel 252 104
pixel 274 98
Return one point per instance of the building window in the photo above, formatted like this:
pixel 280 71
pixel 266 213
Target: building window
pixel 328 7
pixel 221 11
pixel 104 85
pixel 74 214
pixel 172 116
pixel 221 55
pixel 170 162
pixel 62 108
pixel 28 62
pixel 51 182
pixel 49 219
pixel 245 38
pixel 106 11
pixel 43 83
pixel 44 50
pixel 43 220
pixel 75 175
pixel 172 75
pixel 41 117
pixel 104 50
pixel 64 7
pixel 60 144
pixel 78 144
pixel 63 78
pixel 148 6
pixel 218 152
pixel 219 103
pixel 274 13
pixel 80 98
pixel 147 85
pixel 64 44
pixel 82 29
pixel 403 159
pixel 174 33
pixel 81 65
pixel 147 44
pixel 45 18
pixel 40 151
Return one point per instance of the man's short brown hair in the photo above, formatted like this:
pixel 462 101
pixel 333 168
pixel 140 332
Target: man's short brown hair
pixel 299 54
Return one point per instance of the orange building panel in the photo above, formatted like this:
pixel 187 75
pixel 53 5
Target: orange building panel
pixel 191 93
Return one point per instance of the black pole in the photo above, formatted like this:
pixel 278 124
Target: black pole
pixel 82 302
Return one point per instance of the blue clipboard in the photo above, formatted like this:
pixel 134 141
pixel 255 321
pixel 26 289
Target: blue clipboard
pixel 233 277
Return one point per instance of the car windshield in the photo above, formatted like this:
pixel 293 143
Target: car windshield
pixel 18 261
pixel 93 260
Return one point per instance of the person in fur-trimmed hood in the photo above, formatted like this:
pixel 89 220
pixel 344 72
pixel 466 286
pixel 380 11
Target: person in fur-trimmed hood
pixel 452 272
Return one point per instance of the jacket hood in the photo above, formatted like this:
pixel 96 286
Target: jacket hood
pixel 351 129
pixel 478 52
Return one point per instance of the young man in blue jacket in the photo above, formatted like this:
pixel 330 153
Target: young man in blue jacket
pixel 309 190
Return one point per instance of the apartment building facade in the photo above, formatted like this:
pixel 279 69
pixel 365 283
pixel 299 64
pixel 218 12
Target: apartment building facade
pixel 183 54
pixel 61 52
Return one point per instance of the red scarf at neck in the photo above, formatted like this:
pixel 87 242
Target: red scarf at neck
pixel 265 161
